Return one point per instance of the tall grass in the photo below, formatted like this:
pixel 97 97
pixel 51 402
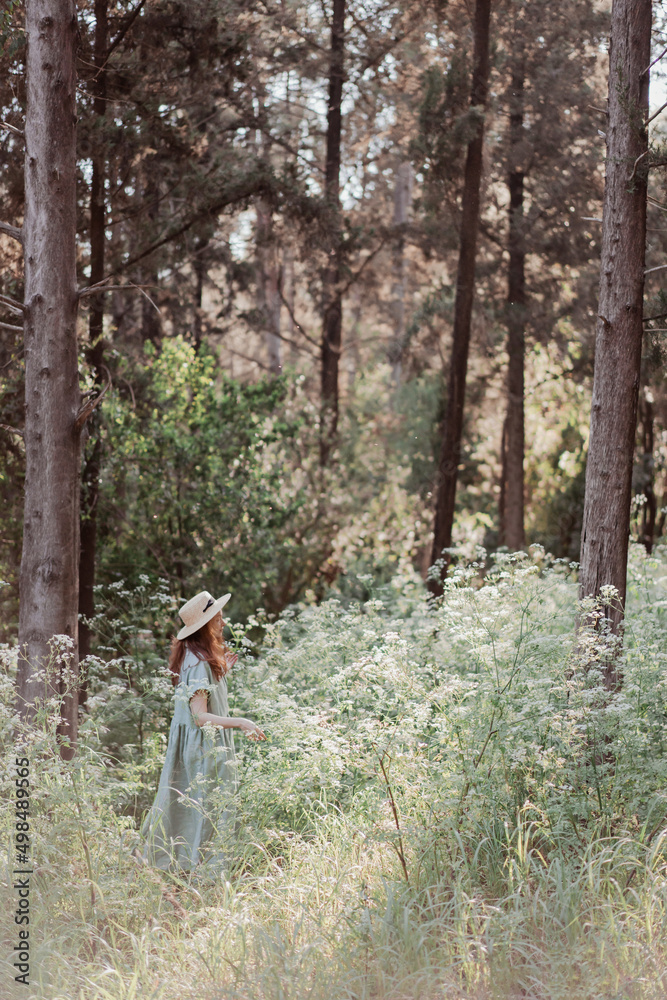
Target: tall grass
pixel 450 806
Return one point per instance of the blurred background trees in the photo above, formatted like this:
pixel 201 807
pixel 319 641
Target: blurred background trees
pixel 272 193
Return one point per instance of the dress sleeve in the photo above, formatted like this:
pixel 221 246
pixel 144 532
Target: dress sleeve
pixel 196 678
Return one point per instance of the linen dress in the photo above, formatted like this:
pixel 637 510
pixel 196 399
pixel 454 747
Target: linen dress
pixel 195 795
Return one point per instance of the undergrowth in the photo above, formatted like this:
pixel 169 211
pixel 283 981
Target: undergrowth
pixel 451 804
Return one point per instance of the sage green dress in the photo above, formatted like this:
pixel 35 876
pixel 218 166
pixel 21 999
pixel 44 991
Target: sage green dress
pixel 193 809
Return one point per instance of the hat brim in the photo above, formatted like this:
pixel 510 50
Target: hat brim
pixel 206 617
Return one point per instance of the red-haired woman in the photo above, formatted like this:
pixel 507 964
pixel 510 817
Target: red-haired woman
pixel 198 778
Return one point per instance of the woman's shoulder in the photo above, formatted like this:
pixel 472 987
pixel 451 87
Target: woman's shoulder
pixel 194 667
pixel 190 659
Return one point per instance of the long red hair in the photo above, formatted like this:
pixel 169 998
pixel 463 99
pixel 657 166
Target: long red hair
pixel 205 644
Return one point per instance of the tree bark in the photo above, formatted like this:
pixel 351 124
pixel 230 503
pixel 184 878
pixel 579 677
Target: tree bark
pixel 50 558
pixel 647 484
pixel 151 320
pixel 333 305
pixel 352 356
pixel 618 340
pixel 288 296
pixel 200 268
pixel 402 199
pixel 512 514
pixel 95 355
pixel 268 285
pixel 450 451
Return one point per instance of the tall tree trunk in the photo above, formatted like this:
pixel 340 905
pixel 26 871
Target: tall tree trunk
pixel 288 296
pixel 90 480
pixel 49 585
pixel 618 340
pixel 199 267
pixel 333 305
pixel 450 451
pixel 511 522
pixel 647 485
pixel 268 285
pixel 151 320
pixel 503 480
pixel 402 198
pixel 352 340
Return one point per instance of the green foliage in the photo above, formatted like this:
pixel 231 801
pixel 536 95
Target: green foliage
pixel 127 673
pixel 557 521
pixel 204 484
pixel 11 37
pixel 446 123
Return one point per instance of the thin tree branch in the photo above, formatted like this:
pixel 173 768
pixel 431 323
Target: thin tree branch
pixel 12 128
pixel 311 340
pixel 656 113
pixel 88 407
pixel 292 343
pixel 291 26
pixel 12 231
pixel 13 304
pixel 355 277
pixel 390 794
pixel 147 296
pixel 132 396
pixel 657 59
pixel 100 286
pixel 636 164
pixel 487 232
pixel 660 267
pixel 11 430
pixel 265 130
pixel 12 359
pixel 374 59
pixel 250 186
pixel 124 30
pixel 8 326
pixel 253 361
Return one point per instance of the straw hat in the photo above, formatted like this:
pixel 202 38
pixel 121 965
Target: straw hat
pixel 199 610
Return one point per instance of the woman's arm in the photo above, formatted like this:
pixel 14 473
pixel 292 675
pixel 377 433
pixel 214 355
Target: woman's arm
pixel 198 707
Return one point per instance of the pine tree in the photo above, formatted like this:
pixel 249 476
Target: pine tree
pixel 333 300
pixel 550 159
pixel 450 450
pixel 53 418
pixel 618 341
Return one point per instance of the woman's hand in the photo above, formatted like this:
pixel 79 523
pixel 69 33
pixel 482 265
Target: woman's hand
pixel 251 729
pixel 230 659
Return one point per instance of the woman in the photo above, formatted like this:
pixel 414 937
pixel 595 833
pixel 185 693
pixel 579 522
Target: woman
pixel 198 778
